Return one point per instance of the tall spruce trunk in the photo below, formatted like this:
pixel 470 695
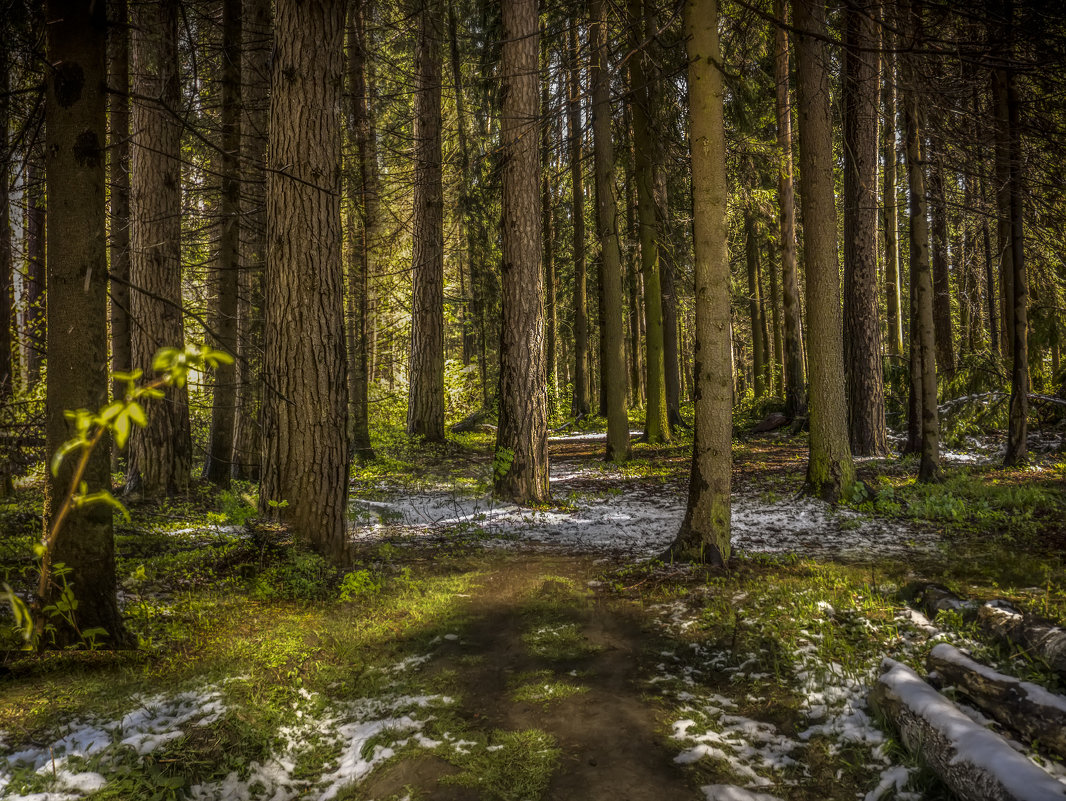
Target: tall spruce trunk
pixel 257 30
pixel 668 270
pixel 218 466
pixel 76 135
pixel 365 229
pixel 795 369
pixel 704 533
pixel 890 160
pixel 118 81
pixel 521 462
pixel 547 208
pixel 862 323
pixel 305 410
pixel 7 307
pixel 830 471
pixel 34 283
pixel 945 347
pixel 160 455
pixel 580 405
pixel 612 335
pixel 633 277
pixel 923 332
pixel 760 362
pixel 425 407
pixel 656 422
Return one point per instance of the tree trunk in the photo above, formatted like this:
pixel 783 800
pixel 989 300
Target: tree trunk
pixel 547 207
pixel 366 230
pixel 218 465
pixel 777 362
pixel 795 372
pixel 36 216
pixel 119 182
pixel 1026 708
pixel 76 134
pixel 257 29
pixel 672 371
pixel 521 464
pixel 160 455
pixel 975 763
pixel 945 348
pixel 580 407
pixel 923 337
pixel 656 425
pixel 862 324
pixel 612 336
pixel 7 297
pixel 890 159
pixel 760 363
pixel 830 471
pixel 704 533
pixel 636 344
pixel 425 409
pixel 305 426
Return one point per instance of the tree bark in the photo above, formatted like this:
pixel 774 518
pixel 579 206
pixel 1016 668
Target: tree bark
pixel 521 463
pixel 923 336
pixel 425 409
pixel 795 370
pixel 36 217
pixel 830 471
pixel 704 534
pixel 656 422
pixel 580 406
pixel 1040 639
pixel 760 362
pixel 667 269
pixel 547 207
pixel 7 297
pixel 945 348
pixel 364 222
pixel 636 304
pixel 612 334
pixel 890 159
pixel 862 324
pixel 1026 708
pixel 160 455
pixel 118 80
pixel 975 763
pixel 76 133
pixel 218 465
pixel 257 29
pixel 305 426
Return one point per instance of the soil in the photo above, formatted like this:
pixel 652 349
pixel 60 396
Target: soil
pixel 611 737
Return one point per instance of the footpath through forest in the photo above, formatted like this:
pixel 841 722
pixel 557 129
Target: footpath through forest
pixel 479 651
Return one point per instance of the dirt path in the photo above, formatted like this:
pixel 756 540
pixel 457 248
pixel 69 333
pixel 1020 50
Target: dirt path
pixel 535 624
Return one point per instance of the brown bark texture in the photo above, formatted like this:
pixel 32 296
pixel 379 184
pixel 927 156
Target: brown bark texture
pixel 704 534
pixel 305 410
pixel 862 321
pixel 521 463
pixel 582 367
pixel 830 471
pixel 160 455
pixel 77 304
pixel 425 407
pixel 118 101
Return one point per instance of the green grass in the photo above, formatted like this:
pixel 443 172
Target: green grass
pixel 511 766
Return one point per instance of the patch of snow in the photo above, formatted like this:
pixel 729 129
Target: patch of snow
pixel 1034 692
pixel 894 778
pixel 730 792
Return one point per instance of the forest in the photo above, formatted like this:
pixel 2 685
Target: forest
pixel 532 400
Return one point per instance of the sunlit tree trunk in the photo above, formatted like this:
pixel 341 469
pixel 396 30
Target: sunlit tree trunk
pixel 521 462
pixel 760 363
pixel 366 230
pixel 305 410
pixel 704 533
pixel 656 423
pixel 118 81
pixel 862 324
pixel 547 207
pixel 612 336
pixel 580 405
pixel 890 159
pixel 160 455
pixel 257 37
pixel 795 369
pixel 945 348
pixel 830 471
pixel 77 306
pixel 425 409
pixel 218 465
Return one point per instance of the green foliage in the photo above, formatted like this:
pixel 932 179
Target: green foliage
pixel 360 584
pixel 501 463
pixel 518 768
pixel 300 576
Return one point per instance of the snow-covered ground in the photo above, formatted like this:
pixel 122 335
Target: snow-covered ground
pixel 641 522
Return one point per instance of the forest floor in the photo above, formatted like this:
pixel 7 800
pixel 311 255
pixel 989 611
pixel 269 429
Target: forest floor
pixel 480 651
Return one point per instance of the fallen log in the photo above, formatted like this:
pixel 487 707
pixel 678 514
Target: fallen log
pixel 975 763
pixel 935 598
pixel 1029 709
pixel 1038 637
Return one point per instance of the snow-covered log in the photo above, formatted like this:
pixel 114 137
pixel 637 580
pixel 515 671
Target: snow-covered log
pixel 1028 709
pixel 1039 638
pixel 977 764
pixel 934 598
